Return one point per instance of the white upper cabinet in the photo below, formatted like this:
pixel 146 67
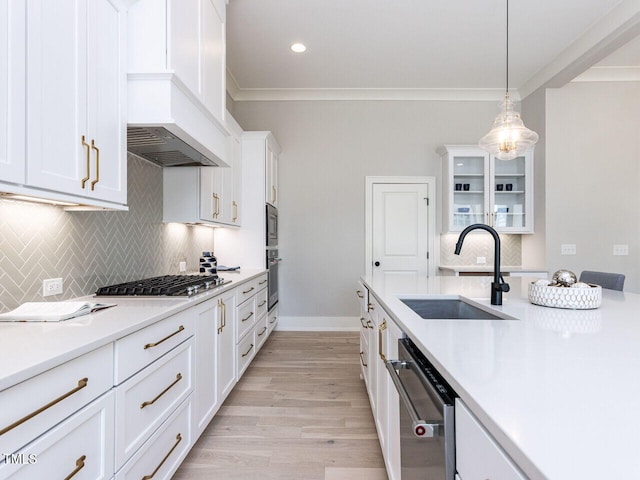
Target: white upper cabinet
pixel 272 154
pixel 76 99
pixel 177 71
pixel 12 91
pixel 479 188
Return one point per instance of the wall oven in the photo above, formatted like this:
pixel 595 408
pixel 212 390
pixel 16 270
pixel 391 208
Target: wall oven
pixel 272 226
pixel 427 446
pixel 272 275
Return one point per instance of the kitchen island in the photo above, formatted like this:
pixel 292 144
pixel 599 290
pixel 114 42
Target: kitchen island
pixel 558 389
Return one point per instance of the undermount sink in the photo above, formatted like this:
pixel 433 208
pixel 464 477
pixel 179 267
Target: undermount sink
pixel 448 309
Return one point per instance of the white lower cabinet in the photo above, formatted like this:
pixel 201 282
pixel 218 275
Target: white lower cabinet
pixel 78 447
pixel 272 318
pixel 381 345
pixel 478 455
pixel 144 401
pixel 163 453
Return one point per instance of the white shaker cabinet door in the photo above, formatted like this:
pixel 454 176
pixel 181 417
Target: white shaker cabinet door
pixel 12 91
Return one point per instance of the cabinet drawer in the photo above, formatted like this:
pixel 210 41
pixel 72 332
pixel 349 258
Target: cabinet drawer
pixel 250 288
pixel 246 317
pixel 246 351
pixel 478 456
pixel 273 319
pixel 161 456
pixel 261 302
pixel 80 444
pixel 136 351
pixel 262 331
pixel 35 405
pixel 144 401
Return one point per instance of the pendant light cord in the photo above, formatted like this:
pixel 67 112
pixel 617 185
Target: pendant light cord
pixel 507 66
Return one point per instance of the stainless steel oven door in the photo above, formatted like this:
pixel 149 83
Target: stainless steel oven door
pixel 427 448
pixel 272 275
pixel 272 226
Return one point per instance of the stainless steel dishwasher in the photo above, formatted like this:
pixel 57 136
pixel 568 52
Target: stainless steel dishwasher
pixel 427 445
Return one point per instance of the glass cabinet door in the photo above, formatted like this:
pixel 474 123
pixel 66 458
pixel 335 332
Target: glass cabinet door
pixel 468 185
pixel 510 182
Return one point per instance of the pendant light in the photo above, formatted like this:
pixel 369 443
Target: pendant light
pixel 508 137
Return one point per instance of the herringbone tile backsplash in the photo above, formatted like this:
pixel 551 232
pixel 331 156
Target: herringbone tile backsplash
pixel 92 249
pixel 480 245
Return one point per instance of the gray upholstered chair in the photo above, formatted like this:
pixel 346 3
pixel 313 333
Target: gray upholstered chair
pixel 612 281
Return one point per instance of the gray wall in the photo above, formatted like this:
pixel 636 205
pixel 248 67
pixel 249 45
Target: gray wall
pixel 328 149
pixel 93 249
pixel 593 174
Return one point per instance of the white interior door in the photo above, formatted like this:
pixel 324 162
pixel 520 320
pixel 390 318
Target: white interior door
pixel 400 229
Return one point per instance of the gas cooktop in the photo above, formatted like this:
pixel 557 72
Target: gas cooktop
pixel 167 285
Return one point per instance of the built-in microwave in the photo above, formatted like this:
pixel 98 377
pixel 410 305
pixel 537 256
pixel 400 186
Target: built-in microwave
pixel 272 226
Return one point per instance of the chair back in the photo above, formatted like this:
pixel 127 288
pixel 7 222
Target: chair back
pixel 611 281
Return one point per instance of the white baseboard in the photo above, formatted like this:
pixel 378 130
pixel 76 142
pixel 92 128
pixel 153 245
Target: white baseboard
pixel 318 324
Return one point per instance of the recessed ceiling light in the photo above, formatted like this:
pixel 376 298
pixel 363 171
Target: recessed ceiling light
pixel 298 47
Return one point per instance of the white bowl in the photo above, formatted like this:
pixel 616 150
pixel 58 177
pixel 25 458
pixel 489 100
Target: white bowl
pixel 566 297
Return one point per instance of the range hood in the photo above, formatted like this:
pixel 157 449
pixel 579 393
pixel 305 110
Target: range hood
pixel 160 146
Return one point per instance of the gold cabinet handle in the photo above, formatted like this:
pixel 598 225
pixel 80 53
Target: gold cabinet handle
pixel 97 179
pixel 88 147
pixel 79 466
pixel 217 211
pixel 175 445
pixel 235 211
pixel 247 317
pixel 81 384
pixel 273 194
pixel 369 307
pixel 248 351
pixel 151 402
pixel 272 319
pixel 223 315
pixel 381 328
pixel 262 282
pixel 262 304
pixel 364 325
pixel 359 294
pixel 151 345
pixel 264 329
pixel 369 324
pixel 244 292
pixel 362 360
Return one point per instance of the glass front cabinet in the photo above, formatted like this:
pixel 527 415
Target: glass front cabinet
pixel 479 188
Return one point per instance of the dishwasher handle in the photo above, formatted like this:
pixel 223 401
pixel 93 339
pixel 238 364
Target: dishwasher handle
pixel 421 428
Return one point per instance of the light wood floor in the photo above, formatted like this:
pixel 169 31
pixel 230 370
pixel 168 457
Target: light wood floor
pixel 299 412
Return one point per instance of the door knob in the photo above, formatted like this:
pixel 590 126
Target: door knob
pixel 377 264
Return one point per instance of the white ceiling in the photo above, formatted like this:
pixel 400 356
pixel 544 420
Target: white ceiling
pixel 418 47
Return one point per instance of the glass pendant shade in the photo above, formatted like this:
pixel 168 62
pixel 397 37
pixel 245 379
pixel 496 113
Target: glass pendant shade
pixel 508 137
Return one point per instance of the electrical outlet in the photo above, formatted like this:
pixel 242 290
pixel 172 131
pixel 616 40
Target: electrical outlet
pixel 568 249
pixel 621 249
pixel 51 286
pixel 481 260
pixel 182 266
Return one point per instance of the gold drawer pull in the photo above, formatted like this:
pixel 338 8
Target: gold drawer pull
pixel 369 324
pixel 97 179
pixel 364 325
pixel 151 402
pixel 79 466
pixel 247 317
pixel 262 304
pixel 381 328
pixel 272 319
pixel 178 440
pixel 362 360
pixel 359 294
pixel 369 307
pixel 264 329
pixel 248 351
pixel 151 345
pixel 81 384
pixel 88 147
pixel 262 282
pixel 244 292
pixel 235 210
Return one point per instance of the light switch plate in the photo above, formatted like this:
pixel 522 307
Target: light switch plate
pixel 51 286
pixel 621 249
pixel 568 249
pixel 481 260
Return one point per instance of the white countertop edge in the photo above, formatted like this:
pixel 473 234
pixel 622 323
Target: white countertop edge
pixel 46 362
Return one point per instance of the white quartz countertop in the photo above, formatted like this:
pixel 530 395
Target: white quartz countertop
pixel 34 347
pixel 489 268
pixel 558 389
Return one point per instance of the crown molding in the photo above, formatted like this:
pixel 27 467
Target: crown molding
pixel 610 74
